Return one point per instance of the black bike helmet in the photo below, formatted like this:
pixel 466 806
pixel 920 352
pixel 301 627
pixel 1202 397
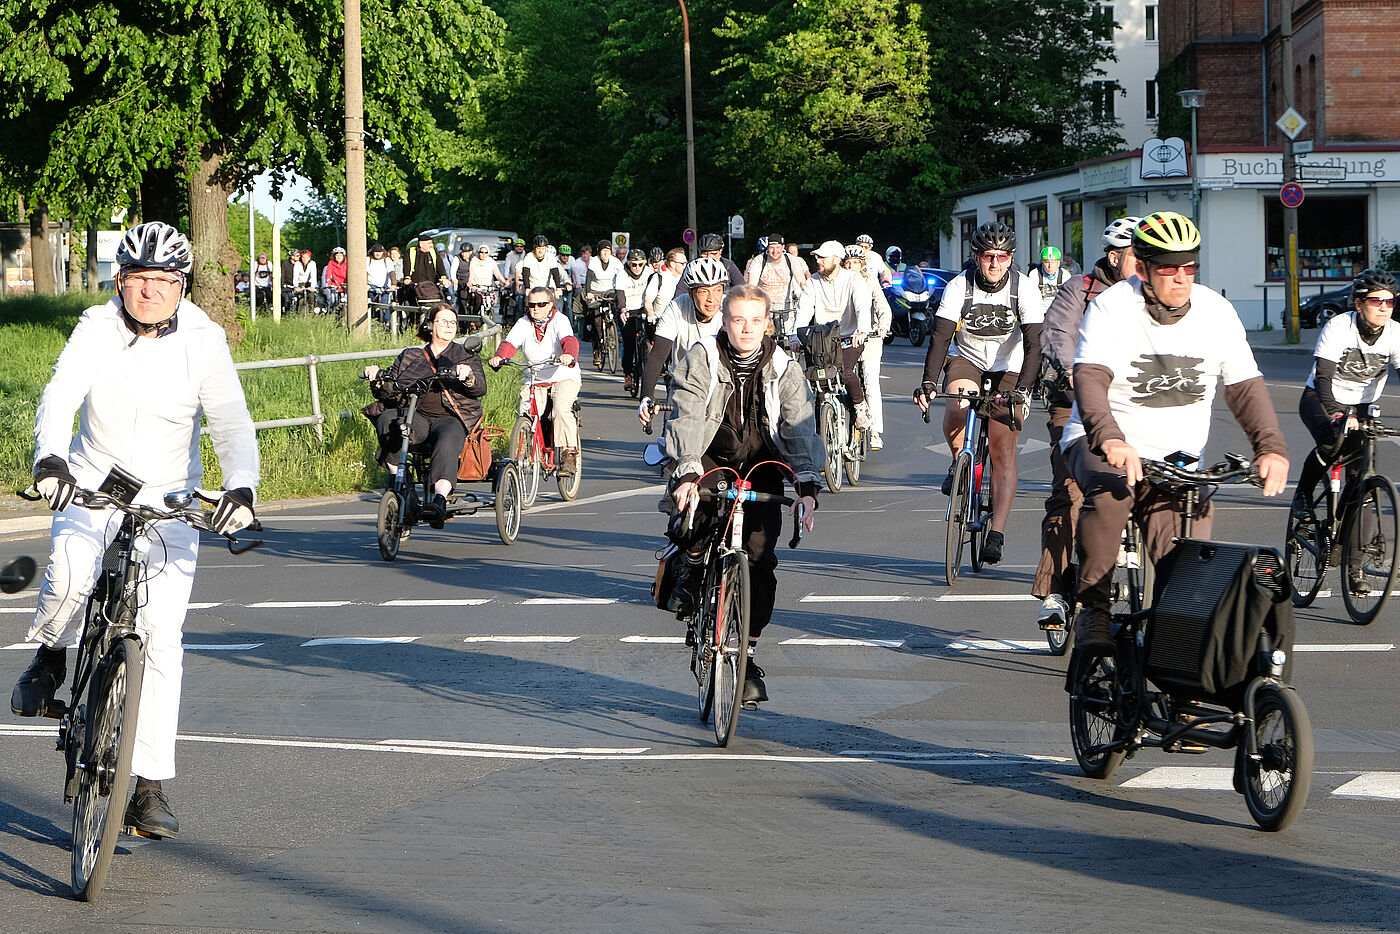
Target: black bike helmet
pixel 1372 280
pixel 994 236
pixel 1166 237
pixel 541 240
pixel 656 256
pixel 711 242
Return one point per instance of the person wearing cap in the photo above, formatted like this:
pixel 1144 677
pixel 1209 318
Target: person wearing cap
pixel 427 273
pixel 1050 274
pixel 604 280
pixel 262 280
pixel 380 273
pixel 774 272
pixel 712 247
pixel 482 273
pixel 539 267
pixel 834 294
pixel 874 262
pixel 333 279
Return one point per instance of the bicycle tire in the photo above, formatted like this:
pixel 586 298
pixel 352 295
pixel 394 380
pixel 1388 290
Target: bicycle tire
pixel 522 451
pixel 731 645
pixel 981 513
pixel 508 503
pixel 860 444
pixel 831 440
pixel 569 483
pixel 610 345
pixel 389 525
pixel 1373 562
pixel 1306 554
pixel 955 533
pixel 1059 639
pixel 99 807
pixel 703 659
pixel 1094 715
pixel 1276 784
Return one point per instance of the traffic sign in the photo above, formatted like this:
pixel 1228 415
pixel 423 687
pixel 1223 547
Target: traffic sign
pixel 1303 146
pixel 1291 195
pixel 736 226
pixel 1218 181
pixel 1317 173
pixel 688 235
pixel 621 239
pixel 1291 123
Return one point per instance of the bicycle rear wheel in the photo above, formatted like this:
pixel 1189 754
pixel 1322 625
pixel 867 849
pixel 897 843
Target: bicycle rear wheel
pixel 1276 783
pixel 731 645
pixel 831 438
pixel 981 497
pixel 610 345
pixel 99 807
pixel 522 451
pixel 569 483
pixel 389 525
pixel 860 444
pixel 1094 715
pixel 1369 537
pixel 955 532
pixel 704 658
pixel 1306 553
pixel 508 504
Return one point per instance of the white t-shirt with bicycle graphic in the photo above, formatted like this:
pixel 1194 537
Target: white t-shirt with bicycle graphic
pixel 990 335
pixel 1362 368
pixel 1164 376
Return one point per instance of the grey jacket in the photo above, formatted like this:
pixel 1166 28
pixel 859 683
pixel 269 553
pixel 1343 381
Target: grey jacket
pixel 1059 334
pixel 701 390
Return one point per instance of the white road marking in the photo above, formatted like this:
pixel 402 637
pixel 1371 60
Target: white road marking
pixel 1032 445
pixel 203 606
pixel 997 645
pixel 466 601
pixel 1175 776
pixel 522 638
pixel 985 597
pixel 296 604
pixel 362 640
pixel 1384 785
pixel 497 747
pixel 655 640
pixel 900 755
pixel 226 647
pixel 17 609
pixel 855 598
pixel 866 643
pixel 1345 647
pixel 569 601
pixel 22 645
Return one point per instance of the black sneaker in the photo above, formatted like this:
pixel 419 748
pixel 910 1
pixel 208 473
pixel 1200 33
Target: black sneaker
pixel 435 511
pixel 37 686
pixel 991 548
pixel 149 813
pixel 754 688
pixel 1093 630
pixel 948 484
pixel 1301 509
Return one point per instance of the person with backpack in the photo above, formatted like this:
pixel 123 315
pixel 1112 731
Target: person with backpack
pixel 987 327
pixel 1050 274
pixel 774 272
pixel 1059 337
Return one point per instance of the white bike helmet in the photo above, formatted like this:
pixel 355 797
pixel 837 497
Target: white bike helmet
pixel 705 271
pixel 1119 233
pixel 155 245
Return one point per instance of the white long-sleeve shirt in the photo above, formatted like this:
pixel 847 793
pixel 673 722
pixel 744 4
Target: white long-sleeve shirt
pixel 139 404
pixel 834 299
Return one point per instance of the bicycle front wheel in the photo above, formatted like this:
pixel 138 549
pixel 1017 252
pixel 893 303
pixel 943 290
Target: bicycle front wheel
pixel 955 533
pixel 830 427
pixel 569 482
pixel 860 444
pixel 522 451
pixel 731 645
pixel 389 525
pixel 1369 538
pixel 610 348
pixel 1094 715
pixel 99 807
pixel 1306 554
pixel 508 504
pixel 1276 783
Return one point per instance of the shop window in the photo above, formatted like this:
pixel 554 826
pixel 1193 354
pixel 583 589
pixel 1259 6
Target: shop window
pixel 1332 240
pixel 1072 229
pixel 967 226
pixel 1038 216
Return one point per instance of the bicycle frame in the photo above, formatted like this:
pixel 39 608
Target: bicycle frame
pixel 975 445
pixel 1359 467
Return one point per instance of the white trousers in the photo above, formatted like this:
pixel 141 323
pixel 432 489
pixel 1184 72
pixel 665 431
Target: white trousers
pixel 565 392
pixel 870 371
pixel 80 538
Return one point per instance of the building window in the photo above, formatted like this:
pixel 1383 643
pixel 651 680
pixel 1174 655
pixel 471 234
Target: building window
pixel 1151 100
pixel 1104 22
pixel 1072 221
pixel 1039 217
pixel 1101 100
pixel 1150 24
pixel 1332 240
pixel 967 226
pixel 1007 216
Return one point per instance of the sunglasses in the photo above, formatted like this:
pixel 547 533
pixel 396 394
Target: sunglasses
pixel 540 304
pixel 1381 302
pixel 994 256
pixel 1170 269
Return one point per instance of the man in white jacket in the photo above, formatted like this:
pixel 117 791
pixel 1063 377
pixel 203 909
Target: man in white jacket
pixel 140 370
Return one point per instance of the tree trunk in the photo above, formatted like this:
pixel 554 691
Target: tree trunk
pixel 39 248
pixel 92 285
pixel 215 260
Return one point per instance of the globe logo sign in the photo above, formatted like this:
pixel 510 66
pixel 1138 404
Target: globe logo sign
pixel 1164 158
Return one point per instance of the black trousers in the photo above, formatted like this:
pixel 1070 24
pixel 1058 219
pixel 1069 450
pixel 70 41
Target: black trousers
pixel 444 437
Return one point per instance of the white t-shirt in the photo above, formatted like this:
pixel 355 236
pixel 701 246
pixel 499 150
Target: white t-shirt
pixel 660 290
pixel 541 270
pixel 1164 376
pixel 875 264
pixel 522 336
pixel 635 289
pixel 1361 368
pixel 990 336
pixel 605 280
pixel 1049 285
pixel 679 325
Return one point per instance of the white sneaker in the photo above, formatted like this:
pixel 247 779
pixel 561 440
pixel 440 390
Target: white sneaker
pixel 862 416
pixel 1054 611
pixel 876 442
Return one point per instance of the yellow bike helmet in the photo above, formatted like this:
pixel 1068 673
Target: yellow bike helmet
pixel 1166 237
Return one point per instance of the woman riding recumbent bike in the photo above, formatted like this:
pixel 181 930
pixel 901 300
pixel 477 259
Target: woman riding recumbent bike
pixel 432 435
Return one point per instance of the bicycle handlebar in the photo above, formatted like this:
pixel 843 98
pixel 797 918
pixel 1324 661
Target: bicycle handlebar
pixel 754 496
pixel 658 408
pixel 1234 469
pixel 982 402
pixel 199 519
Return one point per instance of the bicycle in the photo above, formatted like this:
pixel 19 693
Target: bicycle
pixel 1129 591
pixel 1153 690
pixel 718 630
pixel 1355 525
pixel 970 494
pixel 532 440
pixel 641 346
pixel 97 727
pixel 410 485
pixel 602 308
pixel 846 446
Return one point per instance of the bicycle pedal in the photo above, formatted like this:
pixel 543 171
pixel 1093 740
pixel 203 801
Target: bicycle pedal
pixel 748 705
pixel 1193 749
pixel 133 831
pixel 54 708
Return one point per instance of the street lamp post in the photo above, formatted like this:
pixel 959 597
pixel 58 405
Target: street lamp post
pixel 1192 100
pixel 689 133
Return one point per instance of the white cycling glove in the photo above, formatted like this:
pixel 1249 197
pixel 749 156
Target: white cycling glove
pixel 234 511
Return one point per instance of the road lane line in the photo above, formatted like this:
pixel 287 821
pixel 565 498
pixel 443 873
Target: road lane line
pixel 296 604
pixel 362 640
pixel 17 609
pixel 855 598
pixel 465 601
pixel 655 640
pixel 985 597
pixel 22 645
pixel 1384 785
pixel 569 601
pixel 1344 647
pixel 1177 776
pixel 997 645
pixel 865 643
pixel 225 647
pixel 203 606
pixel 499 747
pixel 522 638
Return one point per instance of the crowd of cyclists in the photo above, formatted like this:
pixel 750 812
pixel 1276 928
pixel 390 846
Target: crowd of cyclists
pixel 1134 350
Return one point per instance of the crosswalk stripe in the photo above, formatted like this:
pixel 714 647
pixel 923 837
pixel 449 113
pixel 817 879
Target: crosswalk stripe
pixel 521 639
pixel 1344 647
pixel 226 647
pixel 568 601
pixel 985 597
pixel 654 640
pixel 361 640
pixel 855 598
pixel 867 643
pixel 17 609
pixel 1384 785
pixel 466 601
pixel 1169 776
pixel 296 604
pixel 22 645
pixel 997 645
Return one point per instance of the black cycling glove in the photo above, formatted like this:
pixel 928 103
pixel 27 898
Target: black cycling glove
pixel 55 482
pixel 234 511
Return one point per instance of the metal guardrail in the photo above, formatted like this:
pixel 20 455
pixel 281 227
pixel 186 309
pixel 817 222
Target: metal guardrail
pixel 311 361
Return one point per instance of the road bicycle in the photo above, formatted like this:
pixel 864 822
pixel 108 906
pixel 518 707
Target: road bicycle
pixel 602 307
pixel 1353 524
pixel 97 727
pixel 410 483
pixel 970 492
pixel 718 629
pixel 846 446
pixel 1162 685
pixel 532 444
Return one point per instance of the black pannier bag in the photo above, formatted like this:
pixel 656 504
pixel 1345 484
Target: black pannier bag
pixel 1212 601
pixel 821 343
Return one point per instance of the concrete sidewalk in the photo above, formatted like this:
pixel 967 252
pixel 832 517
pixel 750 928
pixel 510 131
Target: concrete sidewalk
pixel 1272 342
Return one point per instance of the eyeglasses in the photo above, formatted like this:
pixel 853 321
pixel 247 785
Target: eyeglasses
pixel 995 256
pixel 1170 269
pixel 539 304
pixel 159 283
pixel 1381 302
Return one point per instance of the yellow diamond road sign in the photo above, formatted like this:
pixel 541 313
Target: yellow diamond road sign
pixel 1291 123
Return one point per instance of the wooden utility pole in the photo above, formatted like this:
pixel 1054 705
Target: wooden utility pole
pixel 356 275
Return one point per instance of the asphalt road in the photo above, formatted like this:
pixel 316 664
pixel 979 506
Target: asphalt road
pixel 509 740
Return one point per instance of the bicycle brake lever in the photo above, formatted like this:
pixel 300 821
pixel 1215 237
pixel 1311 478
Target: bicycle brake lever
pixel 797 526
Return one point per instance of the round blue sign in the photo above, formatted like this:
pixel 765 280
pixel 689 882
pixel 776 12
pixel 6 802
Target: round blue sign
pixel 1291 195
pixel 688 235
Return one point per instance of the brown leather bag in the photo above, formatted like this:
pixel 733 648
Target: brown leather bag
pixel 475 463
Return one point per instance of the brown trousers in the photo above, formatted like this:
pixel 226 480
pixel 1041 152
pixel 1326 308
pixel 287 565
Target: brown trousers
pixel 1061 511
